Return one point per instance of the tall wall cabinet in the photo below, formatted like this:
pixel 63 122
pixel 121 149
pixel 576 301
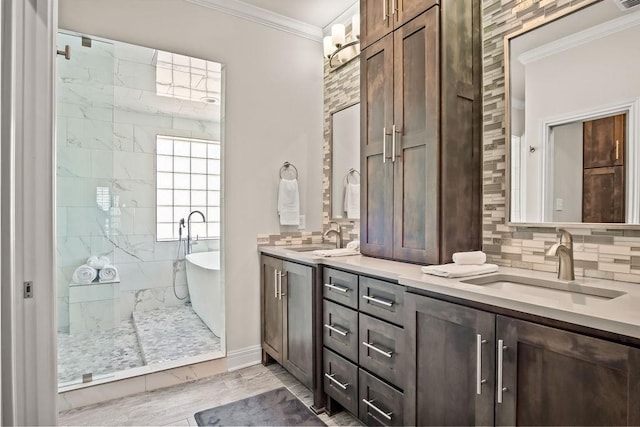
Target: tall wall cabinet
pixel 420 129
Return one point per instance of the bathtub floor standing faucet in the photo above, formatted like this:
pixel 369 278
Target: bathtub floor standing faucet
pixel 189 239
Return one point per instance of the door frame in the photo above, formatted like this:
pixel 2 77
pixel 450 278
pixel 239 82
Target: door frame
pixel 29 361
pixel 632 148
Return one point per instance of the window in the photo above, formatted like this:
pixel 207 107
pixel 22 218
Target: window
pixel 187 179
pixel 183 77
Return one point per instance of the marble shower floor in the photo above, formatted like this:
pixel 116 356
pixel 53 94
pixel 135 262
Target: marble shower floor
pixel 176 405
pixel 151 337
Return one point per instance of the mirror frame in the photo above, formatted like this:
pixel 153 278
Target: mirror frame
pixel 507 121
pixel 331 217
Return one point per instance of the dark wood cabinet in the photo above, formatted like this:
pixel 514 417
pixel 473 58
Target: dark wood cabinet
pixel 555 377
pixel 603 183
pixel 379 17
pixel 446 344
pixel 603 194
pixel 465 365
pixel 420 136
pixel 271 307
pixel 287 317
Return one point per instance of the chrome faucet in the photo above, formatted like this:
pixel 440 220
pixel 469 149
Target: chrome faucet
pixel 189 239
pixel 564 251
pixel 337 232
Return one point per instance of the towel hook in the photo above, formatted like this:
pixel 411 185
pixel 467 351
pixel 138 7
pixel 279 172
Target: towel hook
pixel 286 167
pixel 352 172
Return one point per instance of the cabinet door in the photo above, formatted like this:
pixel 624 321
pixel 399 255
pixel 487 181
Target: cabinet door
pixel 376 92
pixel 402 11
pixel 603 141
pixel 603 195
pixel 555 377
pixel 271 307
pixel 450 362
pixel 375 21
pixel 297 292
pixel 415 141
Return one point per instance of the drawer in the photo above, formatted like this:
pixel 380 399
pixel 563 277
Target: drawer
pixel 340 330
pixel 381 349
pixel 382 299
pixel 379 403
pixel 340 287
pixel 341 380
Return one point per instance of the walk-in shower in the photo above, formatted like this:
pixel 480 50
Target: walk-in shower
pixel 138 149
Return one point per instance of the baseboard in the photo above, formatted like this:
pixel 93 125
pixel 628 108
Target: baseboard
pixel 244 357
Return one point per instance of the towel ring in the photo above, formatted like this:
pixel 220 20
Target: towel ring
pixel 286 167
pixel 352 172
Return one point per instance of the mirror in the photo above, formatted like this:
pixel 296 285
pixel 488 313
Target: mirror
pixel 345 163
pixel 574 118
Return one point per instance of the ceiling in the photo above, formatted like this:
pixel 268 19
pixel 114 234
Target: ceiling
pixel 319 13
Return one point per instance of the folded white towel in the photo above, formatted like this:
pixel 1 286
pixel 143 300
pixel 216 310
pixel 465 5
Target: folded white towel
pixel 470 258
pixel 84 274
pixel 352 200
pixel 289 202
pixel 354 245
pixel 336 252
pixel 98 263
pixel 108 274
pixel 457 270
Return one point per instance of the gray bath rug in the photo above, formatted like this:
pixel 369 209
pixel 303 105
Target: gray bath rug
pixel 274 408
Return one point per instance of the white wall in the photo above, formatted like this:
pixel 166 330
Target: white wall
pixel 587 77
pixel 567 172
pixel 273 113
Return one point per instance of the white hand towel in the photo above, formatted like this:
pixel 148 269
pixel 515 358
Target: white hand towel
pixel 108 274
pixel 97 263
pixel 470 258
pixel 289 202
pixel 84 274
pixel 354 245
pixel 456 270
pixel 335 252
pixel 352 200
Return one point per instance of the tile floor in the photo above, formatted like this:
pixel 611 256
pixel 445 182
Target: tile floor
pixel 154 336
pixel 177 405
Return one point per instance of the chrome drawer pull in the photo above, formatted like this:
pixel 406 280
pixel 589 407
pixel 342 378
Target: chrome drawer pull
pixel 337 288
pixel 501 389
pixel 374 348
pixel 336 382
pixel 336 330
pixel 479 380
pixel 378 300
pixel 370 404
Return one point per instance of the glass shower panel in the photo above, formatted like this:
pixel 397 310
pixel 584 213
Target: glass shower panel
pixel 87 211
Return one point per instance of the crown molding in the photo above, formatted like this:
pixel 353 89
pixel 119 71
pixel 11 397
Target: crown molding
pixel 343 18
pixel 264 17
pixel 586 36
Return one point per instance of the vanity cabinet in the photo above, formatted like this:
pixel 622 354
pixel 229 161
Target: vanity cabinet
pixel 287 322
pixel 465 365
pixel 364 347
pixel 420 135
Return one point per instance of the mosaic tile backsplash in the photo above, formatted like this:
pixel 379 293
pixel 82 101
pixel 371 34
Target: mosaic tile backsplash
pixel 341 89
pixel 602 253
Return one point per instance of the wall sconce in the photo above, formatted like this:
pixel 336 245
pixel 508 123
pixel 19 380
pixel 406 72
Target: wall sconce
pixel 337 48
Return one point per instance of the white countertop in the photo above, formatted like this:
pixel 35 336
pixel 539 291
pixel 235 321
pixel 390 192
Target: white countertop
pixel 619 315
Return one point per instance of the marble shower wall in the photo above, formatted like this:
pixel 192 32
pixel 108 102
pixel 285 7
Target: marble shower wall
pixel 108 116
pixel 603 253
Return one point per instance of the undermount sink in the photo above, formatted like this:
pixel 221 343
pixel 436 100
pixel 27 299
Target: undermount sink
pixel 307 248
pixel 558 290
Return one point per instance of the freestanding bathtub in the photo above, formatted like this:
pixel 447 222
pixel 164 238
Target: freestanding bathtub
pixel 205 289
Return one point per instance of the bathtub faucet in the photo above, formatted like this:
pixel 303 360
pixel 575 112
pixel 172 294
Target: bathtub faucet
pixel 189 239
